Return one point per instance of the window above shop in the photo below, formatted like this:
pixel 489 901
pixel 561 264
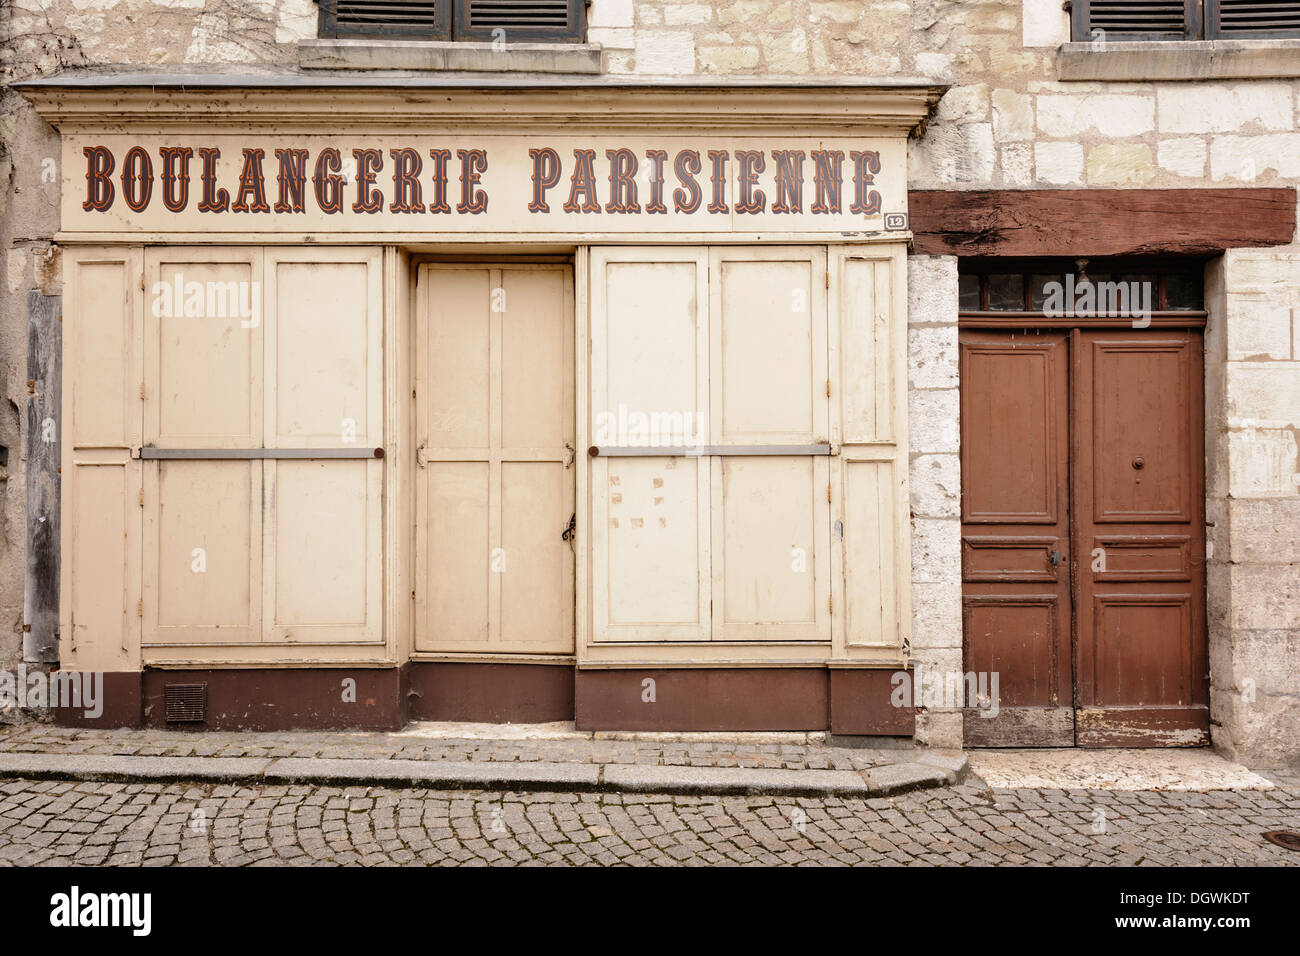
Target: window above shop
pixel 1099 291
pixel 1104 21
pixel 502 21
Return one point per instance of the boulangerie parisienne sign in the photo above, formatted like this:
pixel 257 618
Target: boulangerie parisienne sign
pixel 484 183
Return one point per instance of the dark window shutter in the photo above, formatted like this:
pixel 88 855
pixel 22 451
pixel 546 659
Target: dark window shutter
pixel 407 19
pixel 513 21
pixel 521 21
pixel 1254 19
pixel 1135 20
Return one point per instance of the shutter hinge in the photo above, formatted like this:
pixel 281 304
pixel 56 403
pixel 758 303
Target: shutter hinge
pixel 830 603
pixel 828 278
pixel 142 391
pixel 828 388
pixel 141 497
pixel 139 608
pixel 828 493
pixel 141 281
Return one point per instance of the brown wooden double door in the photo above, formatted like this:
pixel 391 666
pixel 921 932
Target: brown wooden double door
pixel 1083 537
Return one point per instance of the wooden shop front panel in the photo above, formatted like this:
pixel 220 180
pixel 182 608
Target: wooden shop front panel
pixel 242 429
pixel 495 460
pixel 774 521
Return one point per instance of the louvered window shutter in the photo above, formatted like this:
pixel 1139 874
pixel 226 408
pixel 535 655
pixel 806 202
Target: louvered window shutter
pixel 511 21
pixel 1253 19
pixel 520 21
pixel 1121 20
pixel 407 19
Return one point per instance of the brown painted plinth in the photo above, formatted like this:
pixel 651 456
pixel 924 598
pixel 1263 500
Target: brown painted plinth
pixel 285 699
pixel 846 702
pixel 862 702
pixel 491 693
pixel 121 704
pixel 702 699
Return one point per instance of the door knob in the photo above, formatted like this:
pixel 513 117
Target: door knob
pixel 1054 556
pixel 1139 463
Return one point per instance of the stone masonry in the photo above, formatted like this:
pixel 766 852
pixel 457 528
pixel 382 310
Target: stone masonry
pixel 935 482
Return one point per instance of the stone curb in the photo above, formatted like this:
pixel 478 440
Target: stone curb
pixel 489 775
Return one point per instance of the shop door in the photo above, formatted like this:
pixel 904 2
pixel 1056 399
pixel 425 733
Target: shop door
pixel 1082 542
pixel 495 459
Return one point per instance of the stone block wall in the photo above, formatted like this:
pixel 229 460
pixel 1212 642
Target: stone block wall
pixel 934 478
pixel 1253 504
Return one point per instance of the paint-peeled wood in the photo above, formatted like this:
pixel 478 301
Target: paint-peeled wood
pixel 44 373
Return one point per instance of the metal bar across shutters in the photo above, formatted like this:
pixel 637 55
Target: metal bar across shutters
pixel 244 454
pixel 703 451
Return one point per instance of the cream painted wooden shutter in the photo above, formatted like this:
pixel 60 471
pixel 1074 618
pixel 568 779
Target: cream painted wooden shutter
pixel 733 547
pixel 323 534
pixel 100 575
pixel 203 390
pixel 275 350
pixel 872 580
pixel 770 514
pixel 495 472
pixel 650 516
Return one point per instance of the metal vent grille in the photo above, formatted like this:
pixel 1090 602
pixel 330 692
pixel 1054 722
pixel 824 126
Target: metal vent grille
pixel 1258 18
pixel 186 703
pixel 1154 18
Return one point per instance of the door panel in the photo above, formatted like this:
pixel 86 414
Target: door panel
pixel 768 584
pixel 455 579
pixel 1015 496
pixel 871 554
pixel 207 539
pixel 769 348
pixel 203 348
pixel 495 487
pixel 1140 550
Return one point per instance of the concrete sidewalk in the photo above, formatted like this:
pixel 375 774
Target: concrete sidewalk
pixel 482 757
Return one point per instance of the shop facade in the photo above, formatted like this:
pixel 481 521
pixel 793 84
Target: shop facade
pixel 528 421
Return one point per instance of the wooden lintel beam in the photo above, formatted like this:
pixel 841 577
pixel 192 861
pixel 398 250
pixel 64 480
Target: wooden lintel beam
pixel 1100 222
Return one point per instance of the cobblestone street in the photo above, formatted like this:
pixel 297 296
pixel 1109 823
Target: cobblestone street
pixel 56 822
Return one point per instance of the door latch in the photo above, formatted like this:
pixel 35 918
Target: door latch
pixel 569 455
pixel 420 458
pixel 1055 557
pixel 570 528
